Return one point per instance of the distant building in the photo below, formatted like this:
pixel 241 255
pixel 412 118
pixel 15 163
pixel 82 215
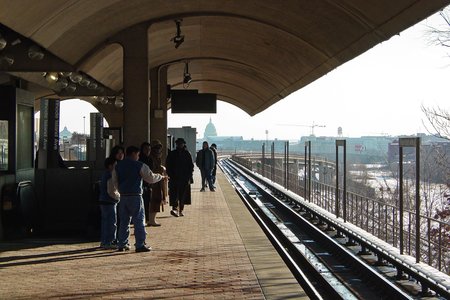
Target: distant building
pixel 222 142
pixel 427 143
pixel 65 134
pixel 364 149
pixel 210 130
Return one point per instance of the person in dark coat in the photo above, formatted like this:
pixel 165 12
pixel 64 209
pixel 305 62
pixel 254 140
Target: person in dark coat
pixel 205 162
pixel 179 168
pixel 214 170
pixel 108 199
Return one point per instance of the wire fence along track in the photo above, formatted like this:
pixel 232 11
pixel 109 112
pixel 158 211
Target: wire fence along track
pixel 373 215
pixel 353 234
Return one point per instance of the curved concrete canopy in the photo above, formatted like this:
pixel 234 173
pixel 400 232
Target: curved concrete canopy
pixel 251 53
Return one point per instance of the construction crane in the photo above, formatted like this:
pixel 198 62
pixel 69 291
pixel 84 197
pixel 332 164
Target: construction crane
pixel 301 125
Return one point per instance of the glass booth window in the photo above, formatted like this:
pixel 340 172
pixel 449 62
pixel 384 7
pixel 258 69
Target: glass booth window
pixel 3 145
pixel 25 137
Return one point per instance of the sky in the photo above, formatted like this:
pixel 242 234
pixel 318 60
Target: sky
pixel 377 93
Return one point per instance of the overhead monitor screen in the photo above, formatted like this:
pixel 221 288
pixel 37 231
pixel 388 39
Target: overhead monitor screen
pixel 190 101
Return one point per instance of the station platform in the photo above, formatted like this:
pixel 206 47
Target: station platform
pixel 216 251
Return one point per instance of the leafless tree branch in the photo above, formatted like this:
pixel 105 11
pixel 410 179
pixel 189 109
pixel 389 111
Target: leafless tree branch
pixel 438 120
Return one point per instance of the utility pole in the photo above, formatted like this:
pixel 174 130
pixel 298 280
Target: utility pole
pixel 267 137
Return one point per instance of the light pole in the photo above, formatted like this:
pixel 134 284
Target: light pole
pixel 84 134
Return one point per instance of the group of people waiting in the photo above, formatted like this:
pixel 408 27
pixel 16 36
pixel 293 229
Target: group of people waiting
pixel 135 182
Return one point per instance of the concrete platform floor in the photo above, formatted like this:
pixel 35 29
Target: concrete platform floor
pixel 216 251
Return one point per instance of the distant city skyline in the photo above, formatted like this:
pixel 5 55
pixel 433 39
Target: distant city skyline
pixel 378 93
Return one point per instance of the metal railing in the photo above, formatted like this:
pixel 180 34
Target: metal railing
pixel 375 216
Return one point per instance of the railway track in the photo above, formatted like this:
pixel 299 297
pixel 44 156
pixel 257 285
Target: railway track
pixel 328 262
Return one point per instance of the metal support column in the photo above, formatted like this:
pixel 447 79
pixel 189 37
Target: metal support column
pixel 286 165
pixel 308 187
pixel 341 143
pixel 410 142
pixel 263 160
pixel 272 171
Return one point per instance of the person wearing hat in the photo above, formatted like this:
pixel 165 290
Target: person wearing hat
pixel 180 168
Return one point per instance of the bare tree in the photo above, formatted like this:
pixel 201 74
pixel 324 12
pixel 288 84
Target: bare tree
pixel 439 118
pixel 440 34
pixel 438 124
pixel 438 121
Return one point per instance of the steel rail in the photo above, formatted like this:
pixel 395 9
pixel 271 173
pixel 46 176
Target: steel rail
pixel 284 249
pixel 402 265
pixel 333 246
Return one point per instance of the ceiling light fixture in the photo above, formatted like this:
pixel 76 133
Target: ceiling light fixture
pixel 16 42
pixel 103 100
pixel 119 102
pixel 71 87
pixel 61 83
pixel 93 85
pixel 3 42
pixel 7 58
pixel 65 74
pixel 187 79
pixel 51 77
pixel 178 39
pixel 35 53
pixel 85 81
pixel 75 77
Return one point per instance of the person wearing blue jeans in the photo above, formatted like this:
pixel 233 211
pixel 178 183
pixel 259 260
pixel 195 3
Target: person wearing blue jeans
pixel 127 177
pixel 109 197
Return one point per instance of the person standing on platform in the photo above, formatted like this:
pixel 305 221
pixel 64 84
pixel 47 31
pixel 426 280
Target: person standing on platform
pixel 144 156
pixel 127 178
pixel 214 170
pixel 117 152
pixel 205 162
pixel 159 189
pixel 180 169
pixel 109 197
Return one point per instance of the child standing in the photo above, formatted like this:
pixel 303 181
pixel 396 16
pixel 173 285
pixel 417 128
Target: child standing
pixel 109 197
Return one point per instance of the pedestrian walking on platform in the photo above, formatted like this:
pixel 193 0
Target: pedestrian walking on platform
pixel 127 178
pixel 109 197
pixel 180 168
pixel 214 170
pixel 205 162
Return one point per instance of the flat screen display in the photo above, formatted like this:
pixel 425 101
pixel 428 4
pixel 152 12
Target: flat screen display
pixel 190 101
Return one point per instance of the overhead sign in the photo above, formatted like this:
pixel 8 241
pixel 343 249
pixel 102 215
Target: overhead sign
pixel 190 101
